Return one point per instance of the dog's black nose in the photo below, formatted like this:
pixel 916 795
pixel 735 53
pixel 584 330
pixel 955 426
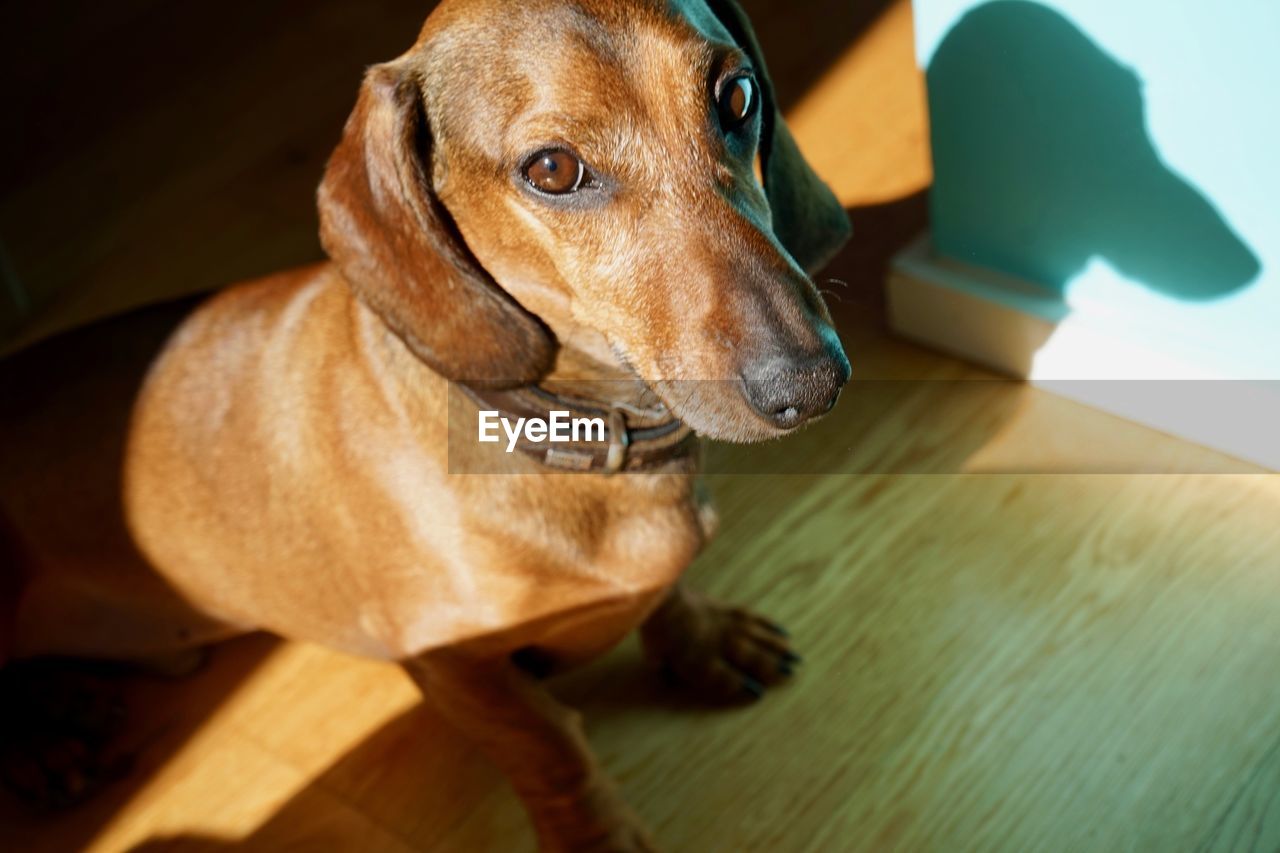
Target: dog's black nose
pixel 788 391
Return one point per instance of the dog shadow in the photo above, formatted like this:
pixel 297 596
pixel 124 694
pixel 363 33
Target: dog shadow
pixel 1044 160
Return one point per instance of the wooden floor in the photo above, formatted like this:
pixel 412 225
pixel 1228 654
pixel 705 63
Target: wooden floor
pixel 993 661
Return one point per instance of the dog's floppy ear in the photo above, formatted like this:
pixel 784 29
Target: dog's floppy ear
pixel 401 253
pixel 807 218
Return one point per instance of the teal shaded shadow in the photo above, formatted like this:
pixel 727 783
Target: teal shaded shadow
pixel 1043 161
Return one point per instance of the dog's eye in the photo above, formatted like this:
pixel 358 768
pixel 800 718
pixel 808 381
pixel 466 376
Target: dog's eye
pixel 737 101
pixel 554 171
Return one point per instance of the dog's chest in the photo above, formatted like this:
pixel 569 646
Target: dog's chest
pixel 580 561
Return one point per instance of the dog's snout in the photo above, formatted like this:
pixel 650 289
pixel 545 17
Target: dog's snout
pixel 789 391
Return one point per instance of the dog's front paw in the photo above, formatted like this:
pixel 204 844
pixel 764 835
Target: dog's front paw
pixel 721 652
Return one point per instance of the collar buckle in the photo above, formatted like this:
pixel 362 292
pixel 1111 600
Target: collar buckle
pixel 619 442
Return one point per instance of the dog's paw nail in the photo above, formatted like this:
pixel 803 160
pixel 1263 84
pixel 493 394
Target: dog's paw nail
pixel 752 688
pixel 776 628
pixel 791 657
pixel 785 667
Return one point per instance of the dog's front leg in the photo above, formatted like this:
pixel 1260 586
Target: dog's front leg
pixel 723 652
pixel 539 745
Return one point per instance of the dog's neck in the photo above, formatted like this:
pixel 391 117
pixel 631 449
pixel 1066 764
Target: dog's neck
pixel 583 375
pixel 586 366
pixel 589 378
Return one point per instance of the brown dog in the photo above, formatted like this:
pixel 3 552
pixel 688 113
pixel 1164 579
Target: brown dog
pixel 535 192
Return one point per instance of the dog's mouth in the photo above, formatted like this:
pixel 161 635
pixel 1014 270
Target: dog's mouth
pixel 723 410
pixel 769 398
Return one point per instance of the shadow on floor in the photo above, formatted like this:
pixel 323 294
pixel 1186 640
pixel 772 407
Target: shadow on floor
pixel 162 715
pixel 416 764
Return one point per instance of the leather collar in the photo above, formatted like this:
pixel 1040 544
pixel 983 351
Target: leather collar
pixel 636 439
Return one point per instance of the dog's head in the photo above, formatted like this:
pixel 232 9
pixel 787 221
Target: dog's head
pixel 599 159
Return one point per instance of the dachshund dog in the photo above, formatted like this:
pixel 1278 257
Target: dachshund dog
pixel 535 193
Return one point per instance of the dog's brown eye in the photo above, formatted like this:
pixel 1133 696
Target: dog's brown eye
pixel 554 171
pixel 737 101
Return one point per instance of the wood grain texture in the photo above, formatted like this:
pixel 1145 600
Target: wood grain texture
pixel 1011 662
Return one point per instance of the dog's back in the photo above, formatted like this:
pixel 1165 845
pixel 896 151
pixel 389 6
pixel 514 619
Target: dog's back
pixel 144 444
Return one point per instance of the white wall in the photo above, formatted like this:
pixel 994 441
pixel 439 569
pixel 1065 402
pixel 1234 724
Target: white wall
pixel 1158 216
